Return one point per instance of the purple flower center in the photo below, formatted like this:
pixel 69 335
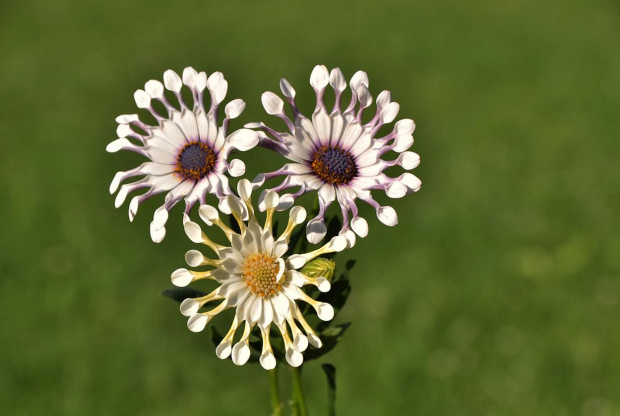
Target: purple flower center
pixel 195 161
pixel 334 165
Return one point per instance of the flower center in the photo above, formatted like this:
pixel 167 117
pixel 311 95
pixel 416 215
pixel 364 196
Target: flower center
pixel 195 161
pixel 260 271
pixel 334 165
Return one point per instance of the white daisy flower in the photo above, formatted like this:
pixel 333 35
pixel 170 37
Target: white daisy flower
pixel 188 152
pixel 255 280
pixel 337 154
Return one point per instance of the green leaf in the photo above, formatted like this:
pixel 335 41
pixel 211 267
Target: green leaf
pixel 337 297
pixel 216 337
pixel 330 337
pixel 181 293
pixel 233 224
pixel 334 225
pixel 350 264
pixel 274 229
pixel 330 372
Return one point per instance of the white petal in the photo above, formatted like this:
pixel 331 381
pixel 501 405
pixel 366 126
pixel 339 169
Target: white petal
pixel 300 342
pixel 234 108
pixel 363 96
pixel 189 307
pixel 193 231
pixel 267 360
pixel 119 144
pixel 362 144
pixel 350 237
pixel 286 201
pixel 171 131
pixel 350 135
pixel 189 77
pixel 336 79
pixel 384 99
pixel 389 112
pixel 412 182
pixel 325 311
pixel 368 158
pixel 154 88
pixel 323 284
pixel 287 89
pixel 243 139
pixel 327 193
pixel 218 86
pixel 193 258
pixel 127 118
pixel 157 234
pixel 223 350
pixel 322 125
pixel 360 226
pixel 404 126
pixel 315 341
pixel 157 169
pixel 294 358
pixel 403 142
pixel 197 323
pixel 409 160
pixel 256 309
pixel 189 125
pixel 338 243
pixel 267 316
pixel 360 77
pixel 124 130
pixel 201 81
pixel 143 100
pixel 297 214
pixel 240 353
pixel 272 103
pixel 396 190
pixel 315 231
pixel 297 261
pixel 208 214
pixel 387 216
pixel 236 168
pixel 268 200
pixel 172 81
pixel 244 189
pixel 319 77
pixel 181 277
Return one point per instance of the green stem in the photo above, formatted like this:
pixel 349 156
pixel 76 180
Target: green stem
pixel 276 405
pixel 299 402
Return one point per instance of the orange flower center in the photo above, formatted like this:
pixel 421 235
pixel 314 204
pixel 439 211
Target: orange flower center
pixel 260 271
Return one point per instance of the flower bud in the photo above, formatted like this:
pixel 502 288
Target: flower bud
pixel 320 267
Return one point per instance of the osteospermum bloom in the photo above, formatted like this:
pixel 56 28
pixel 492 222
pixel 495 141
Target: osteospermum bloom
pixel 337 154
pixel 255 279
pixel 187 149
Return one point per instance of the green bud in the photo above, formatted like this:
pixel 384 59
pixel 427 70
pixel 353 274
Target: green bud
pixel 320 267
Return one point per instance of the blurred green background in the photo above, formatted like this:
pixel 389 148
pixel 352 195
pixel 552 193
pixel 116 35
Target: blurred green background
pixel 497 294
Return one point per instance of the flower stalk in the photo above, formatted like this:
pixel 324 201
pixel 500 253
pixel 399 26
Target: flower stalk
pixel 299 401
pixel 276 404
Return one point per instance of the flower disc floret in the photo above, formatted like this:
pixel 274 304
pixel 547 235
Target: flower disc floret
pixel 334 165
pixel 196 160
pixel 260 271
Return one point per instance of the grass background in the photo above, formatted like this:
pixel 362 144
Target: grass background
pixel 497 294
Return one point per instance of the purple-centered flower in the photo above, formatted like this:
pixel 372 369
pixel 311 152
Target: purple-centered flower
pixel 187 149
pixel 339 155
